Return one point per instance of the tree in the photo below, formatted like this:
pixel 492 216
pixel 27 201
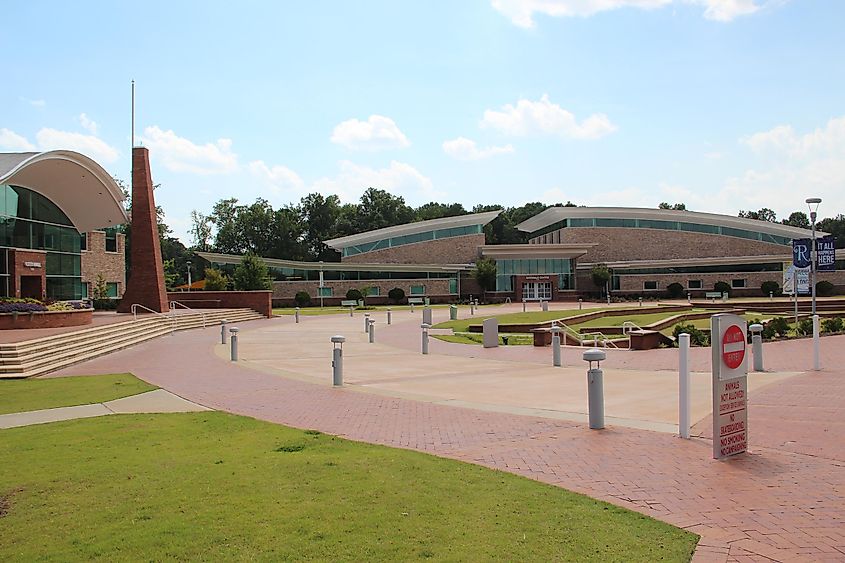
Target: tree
pixel 764 214
pixel 834 226
pixel 675 290
pixel 722 287
pixel 302 298
pixel 319 215
pixel 485 273
pixel 101 288
pixel 770 286
pixel 600 275
pixel 251 274
pixel 798 219
pixel 353 294
pixel 171 276
pixel 396 294
pixel 434 210
pixel 379 209
pixel 215 280
pixel 201 228
pixel 675 206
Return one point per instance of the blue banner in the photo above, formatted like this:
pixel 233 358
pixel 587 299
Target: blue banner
pixel 826 253
pixel 801 252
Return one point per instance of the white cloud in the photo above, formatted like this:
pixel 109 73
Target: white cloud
pixel 281 179
pixel 11 141
pixel 34 103
pixel 88 124
pixel 399 179
pixel 528 117
pixel 466 149
pixel 521 12
pixel 377 133
pixel 89 145
pixel 182 155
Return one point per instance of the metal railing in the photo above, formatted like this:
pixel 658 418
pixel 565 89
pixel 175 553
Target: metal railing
pixel 628 326
pixel 171 319
pixel 174 304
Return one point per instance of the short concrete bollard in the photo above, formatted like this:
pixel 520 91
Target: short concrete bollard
pixel 556 358
pixel 233 340
pixel 223 324
pixel 366 322
pixel 389 315
pixel 595 387
pixel 490 333
pixel 756 331
pixel 523 305
pixel 427 316
pixel 472 307
pixel 580 303
pixel 412 307
pixel 337 359
pixel 425 328
pixel 641 301
pixel 683 385
pixel 296 315
pixel 372 331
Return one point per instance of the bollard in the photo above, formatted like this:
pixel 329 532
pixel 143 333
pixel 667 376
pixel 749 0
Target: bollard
pixel 683 386
pixel 471 307
pixel 523 305
pixel 337 359
pixel 223 331
pixel 233 339
pixel 425 328
pixel 580 303
pixel 453 312
pixel 816 360
pixel 595 388
pixel 372 331
pixel 366 322
pixel 641 301
pixel 556 360
pixel 296 315
pixel 389 315
pixel 544 305
pixel 608 298
pixel 689 298
pixel 757 345
pixel 412 307
pixel 771 296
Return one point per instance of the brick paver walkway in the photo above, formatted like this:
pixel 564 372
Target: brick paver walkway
pixel 784 501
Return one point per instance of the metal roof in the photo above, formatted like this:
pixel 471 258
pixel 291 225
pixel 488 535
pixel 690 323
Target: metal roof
pixel 80 187
pixel 553 215
pixel 218 258
pixel 709 261
pixel 413 228
pixel 529 251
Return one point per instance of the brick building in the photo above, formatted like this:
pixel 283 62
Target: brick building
pixel 103 254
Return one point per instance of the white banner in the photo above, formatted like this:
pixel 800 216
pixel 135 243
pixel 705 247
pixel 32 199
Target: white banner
pixel 803 278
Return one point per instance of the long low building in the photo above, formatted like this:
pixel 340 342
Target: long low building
pixel 646 250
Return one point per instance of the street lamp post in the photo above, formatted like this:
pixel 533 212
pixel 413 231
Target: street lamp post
pixel 813 204
pixel 189 275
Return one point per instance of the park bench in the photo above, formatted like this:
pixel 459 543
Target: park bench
pixel 416 301
pixel 349 303
pixel 715 295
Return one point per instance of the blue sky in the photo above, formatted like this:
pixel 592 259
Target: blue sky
pixel 722 104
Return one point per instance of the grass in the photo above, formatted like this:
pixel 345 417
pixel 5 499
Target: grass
pixel 19 395
pixel 314 311
pixel 462 325
pixel 219 487
pixel 472 338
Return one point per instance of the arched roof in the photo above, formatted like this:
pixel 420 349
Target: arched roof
pixel 80 187
pixel 553 215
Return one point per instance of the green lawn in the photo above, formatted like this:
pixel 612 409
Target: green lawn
pixel 218 487
pixel 19 395
pixel 472 338
pixel 462 325
pixel 312 311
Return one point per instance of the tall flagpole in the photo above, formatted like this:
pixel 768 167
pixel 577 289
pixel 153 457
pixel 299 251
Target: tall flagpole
pixel 133 117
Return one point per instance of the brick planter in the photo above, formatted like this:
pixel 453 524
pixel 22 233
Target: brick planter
pixel 46 319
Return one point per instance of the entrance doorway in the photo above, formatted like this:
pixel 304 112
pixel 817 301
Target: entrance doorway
pixel 537 291
pixel 31 287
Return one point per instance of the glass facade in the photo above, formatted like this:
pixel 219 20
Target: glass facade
pixel 31 221
pixel 411 239
pixel 506 269
pixel 665 225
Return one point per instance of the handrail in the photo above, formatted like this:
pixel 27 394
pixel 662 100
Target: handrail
pixel 172 309
pixel 136 306
pixel 627 326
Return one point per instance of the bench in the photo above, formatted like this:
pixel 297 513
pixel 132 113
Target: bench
pixel 416 301
pixel 713 295
pixel 349 303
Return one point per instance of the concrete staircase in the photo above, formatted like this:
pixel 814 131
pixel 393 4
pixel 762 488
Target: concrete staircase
pixel 43 355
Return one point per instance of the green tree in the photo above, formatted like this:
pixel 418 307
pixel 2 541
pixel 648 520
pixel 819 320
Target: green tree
pixel 600 275
pixel 379 209
pixel 675 206
pixel 101 288
pixel 320 216
pixel 216 280
pixel 484 273
pixel 798 219
pixel 834 226
pixel 251 274
pixel 434 210
pixel 396 294
pixel 764 214
pixel 171 276
pixel 201 228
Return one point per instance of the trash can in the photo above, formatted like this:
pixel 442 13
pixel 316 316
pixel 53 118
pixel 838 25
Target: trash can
pixel 453 312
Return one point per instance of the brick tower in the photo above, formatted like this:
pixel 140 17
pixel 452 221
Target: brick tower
pixel 145 285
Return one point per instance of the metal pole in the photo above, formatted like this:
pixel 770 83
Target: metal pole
pixel 756 331
pixel 556 359
pixel 389 316
pixel 424 338
pixel 795 292
pixel 189 275
pixel 296 315
pixel 816 359
pixel 337 359
pixel 813 264
pixel 372 331
pixel 233 339
pixel 366 322
pixel 223 331
pixel 683 386
pixel 523 305
pixel 595 388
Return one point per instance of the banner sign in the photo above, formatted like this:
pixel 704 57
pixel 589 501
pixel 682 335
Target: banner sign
pixel 801 252
pixel 730 384
pixel 826 253
pixel 792 275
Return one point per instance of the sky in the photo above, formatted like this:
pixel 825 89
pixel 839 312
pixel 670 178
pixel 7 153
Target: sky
pixel 720 104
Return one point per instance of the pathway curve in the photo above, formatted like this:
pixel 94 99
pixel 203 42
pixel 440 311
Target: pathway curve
pixel 779 502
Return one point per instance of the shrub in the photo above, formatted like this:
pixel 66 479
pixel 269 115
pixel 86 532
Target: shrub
pixel 60 306
pixel 768 331
pixel 251 274
pixel 600 275
pixel 804 327
pixel 696 337
pixel 779 326
pixel 722 287
pixel 675 290
pixel 825 289
pixel 12 307
pixel 770 286
pixel 105 304
pixel 302 298
pixel 396 294
pixel 833 325
pixel 485 273
pixel 101 289
pixel 354 295
pixel 215 280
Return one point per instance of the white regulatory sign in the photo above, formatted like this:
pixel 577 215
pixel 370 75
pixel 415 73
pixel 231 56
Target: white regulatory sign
pixel 728 338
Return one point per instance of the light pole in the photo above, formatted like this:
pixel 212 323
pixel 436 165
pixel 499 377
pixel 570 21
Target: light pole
pixel 189 275
pixel 813 204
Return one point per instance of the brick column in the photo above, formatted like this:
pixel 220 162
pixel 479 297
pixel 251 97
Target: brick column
pixel 145 285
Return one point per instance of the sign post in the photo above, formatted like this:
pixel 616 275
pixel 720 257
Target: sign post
pixel 728 335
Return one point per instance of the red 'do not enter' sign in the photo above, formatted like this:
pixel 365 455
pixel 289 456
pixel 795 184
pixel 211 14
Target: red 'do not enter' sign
pixel 733 347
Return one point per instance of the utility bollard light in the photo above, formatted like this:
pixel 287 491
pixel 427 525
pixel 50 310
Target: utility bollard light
pixel 337 359
pixel 556 359
pixel 233 339
pixel 595 387
pixel 296 315
pixel 689 298
pixel 366 322
pixel 351 311
pixel 471 307
pixel 372 331
pixel 641 301
pixel 523 305
pixel 683 385
pixel 580 303
pixel 816 360
pixel 771 296
pixel 389 315
pixel 425 327
pixel 412 307
pixel 757 345
pixel 223 324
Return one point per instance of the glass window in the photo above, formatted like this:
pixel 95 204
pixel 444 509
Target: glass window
pixel 111 289
pixel 417 290
pixel 111 240
pixel 694 284
pixel 373 291
pixel 649 285
pixel 738 283
pixel 83 241
pixel 84 291
pixel 453 285
pixel 324 292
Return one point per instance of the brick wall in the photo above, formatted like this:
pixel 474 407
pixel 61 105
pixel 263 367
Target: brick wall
pixel 455 250
pixel 284 291
pixel 96 261
pixel 255 300
pixel 618 244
